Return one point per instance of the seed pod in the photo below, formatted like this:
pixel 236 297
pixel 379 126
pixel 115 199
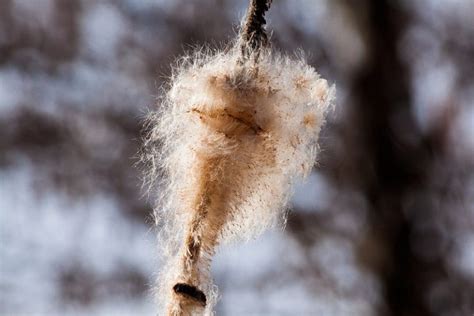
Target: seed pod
pixel 236 129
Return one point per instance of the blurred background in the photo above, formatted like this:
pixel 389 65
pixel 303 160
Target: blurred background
pixel 383 226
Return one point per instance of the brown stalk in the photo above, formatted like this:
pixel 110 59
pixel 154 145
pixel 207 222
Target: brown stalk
pixel 253 35
pixel 209 215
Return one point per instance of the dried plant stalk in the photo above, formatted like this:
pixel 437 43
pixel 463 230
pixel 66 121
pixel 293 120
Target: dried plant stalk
pixel 236 129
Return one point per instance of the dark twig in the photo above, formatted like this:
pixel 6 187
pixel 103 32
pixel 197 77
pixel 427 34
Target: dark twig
pixel 253 35
pixel 191 292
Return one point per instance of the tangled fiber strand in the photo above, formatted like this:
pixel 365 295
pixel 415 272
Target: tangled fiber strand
pixel 232 136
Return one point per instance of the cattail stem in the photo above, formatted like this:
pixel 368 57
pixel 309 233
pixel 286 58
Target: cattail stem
pixel 208 217
pixel 204 225
pixel 253 35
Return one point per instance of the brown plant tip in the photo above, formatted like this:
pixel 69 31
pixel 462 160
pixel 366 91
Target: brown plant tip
pixel 191 292
pixel 253 31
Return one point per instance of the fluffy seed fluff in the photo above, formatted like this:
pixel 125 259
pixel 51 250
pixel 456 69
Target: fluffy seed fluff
pixel 228 142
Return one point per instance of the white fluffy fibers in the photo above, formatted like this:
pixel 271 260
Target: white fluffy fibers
pixel 230 139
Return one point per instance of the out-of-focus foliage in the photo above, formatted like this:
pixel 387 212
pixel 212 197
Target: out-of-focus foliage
pixel 384 226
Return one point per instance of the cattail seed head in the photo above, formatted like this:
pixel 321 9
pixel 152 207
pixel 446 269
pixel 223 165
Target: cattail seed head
pixel 229 141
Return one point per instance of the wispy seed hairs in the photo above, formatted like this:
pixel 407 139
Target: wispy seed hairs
pixel 234 131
